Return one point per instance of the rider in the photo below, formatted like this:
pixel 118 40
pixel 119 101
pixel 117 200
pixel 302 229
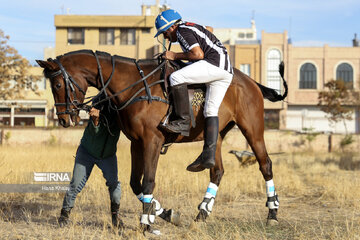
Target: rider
pixel 210 64
pixel 97 147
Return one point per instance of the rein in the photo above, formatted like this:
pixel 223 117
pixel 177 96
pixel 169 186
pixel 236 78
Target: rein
pixel 134 98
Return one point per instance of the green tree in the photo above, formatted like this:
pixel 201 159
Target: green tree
pixel 14 75
pixel 336 102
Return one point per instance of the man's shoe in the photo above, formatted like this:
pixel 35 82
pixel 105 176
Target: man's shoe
pixel 64 220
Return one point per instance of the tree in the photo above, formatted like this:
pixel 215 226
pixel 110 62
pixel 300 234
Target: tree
pixel 336 102
pixel 14 76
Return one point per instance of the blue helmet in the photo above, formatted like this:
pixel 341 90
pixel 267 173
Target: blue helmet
pixel 165 20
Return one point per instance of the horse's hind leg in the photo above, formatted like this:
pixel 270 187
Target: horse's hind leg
pixel 216 173
pixel 254 133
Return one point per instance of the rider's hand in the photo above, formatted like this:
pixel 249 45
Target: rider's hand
pixel 168 55
pixel 94 114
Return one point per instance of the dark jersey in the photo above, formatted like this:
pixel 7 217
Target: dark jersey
pixel 190 35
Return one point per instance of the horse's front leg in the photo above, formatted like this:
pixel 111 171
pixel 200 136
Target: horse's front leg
pixel 216 173
pixel 151 147
pixel 137 171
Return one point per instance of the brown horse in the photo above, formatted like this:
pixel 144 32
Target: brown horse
pixel 142 106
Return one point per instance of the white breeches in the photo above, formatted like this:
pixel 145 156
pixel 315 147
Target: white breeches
pixel 216 79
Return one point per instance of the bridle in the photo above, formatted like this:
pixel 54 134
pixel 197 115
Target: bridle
pixel 69 87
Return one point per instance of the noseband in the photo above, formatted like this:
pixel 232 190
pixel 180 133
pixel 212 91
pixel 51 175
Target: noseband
pixel 69 86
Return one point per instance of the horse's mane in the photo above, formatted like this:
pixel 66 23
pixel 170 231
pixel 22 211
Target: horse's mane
pixel 108 55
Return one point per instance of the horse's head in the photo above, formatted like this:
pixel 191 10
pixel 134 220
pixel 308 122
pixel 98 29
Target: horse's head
pixel 68 87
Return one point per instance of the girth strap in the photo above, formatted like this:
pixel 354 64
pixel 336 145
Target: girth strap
pixel 147 89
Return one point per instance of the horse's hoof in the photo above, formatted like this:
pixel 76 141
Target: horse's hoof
pixel 272 222
pixel 202 215
pixel 171 216
pixel 148 230
pixel 272 218
pixel 174 217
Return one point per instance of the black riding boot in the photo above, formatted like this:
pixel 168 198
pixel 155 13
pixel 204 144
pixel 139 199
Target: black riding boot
pixel 207 157
pixel 64 218
pixel 182 111
pixel 115 216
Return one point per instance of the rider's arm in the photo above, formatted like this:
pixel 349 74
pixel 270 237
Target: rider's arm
pixel 196 53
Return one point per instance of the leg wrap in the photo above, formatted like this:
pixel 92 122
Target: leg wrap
pixel 272 198
pixel 272 202
pixel 209 199
pixel 158 209
pixel 207 205
pixel 148 216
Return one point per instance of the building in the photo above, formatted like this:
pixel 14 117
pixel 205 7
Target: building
pixel 34 110
pixel 307 70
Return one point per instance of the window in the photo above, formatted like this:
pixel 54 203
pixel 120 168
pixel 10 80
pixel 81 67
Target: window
pixel 307 76
pixel 145 30
pixel 241 35
pixel 76 36
pixel 127 36
pixel 106 36
pixel 272 70
pixel 245 68
pixel 345 72
pixel 148 11
pixel 249 35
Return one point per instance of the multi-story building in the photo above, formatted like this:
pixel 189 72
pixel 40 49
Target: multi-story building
pixel 307 69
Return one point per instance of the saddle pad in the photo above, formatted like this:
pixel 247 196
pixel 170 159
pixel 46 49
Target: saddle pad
pixel 196 98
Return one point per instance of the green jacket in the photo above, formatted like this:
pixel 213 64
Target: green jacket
pixel 98 141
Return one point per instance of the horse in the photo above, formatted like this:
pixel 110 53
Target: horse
pixel 136 89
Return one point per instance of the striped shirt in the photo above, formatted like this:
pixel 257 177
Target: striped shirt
pixel 190 35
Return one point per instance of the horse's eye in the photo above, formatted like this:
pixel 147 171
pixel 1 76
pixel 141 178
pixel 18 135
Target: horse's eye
pixel 58 85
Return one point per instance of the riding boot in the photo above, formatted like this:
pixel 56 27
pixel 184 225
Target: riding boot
pixel 207 157
pixel 63 220
pixel 115 216
pixel 182 111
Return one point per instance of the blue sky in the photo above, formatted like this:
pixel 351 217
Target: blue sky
pixel 30 23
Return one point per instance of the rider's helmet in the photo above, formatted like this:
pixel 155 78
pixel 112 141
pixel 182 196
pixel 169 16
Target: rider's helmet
pixel 165 20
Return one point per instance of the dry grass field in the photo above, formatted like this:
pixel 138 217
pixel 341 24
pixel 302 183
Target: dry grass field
pixel 319 197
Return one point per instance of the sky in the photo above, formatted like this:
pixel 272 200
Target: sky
pixel 30 23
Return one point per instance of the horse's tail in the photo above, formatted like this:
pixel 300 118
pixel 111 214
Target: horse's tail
pixel 271 94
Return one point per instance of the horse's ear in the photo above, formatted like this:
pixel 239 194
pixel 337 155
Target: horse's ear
pixel 46 64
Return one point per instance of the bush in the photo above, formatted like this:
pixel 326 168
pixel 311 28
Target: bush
pixel 7 136
pixel 52 140
pixel 347 140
